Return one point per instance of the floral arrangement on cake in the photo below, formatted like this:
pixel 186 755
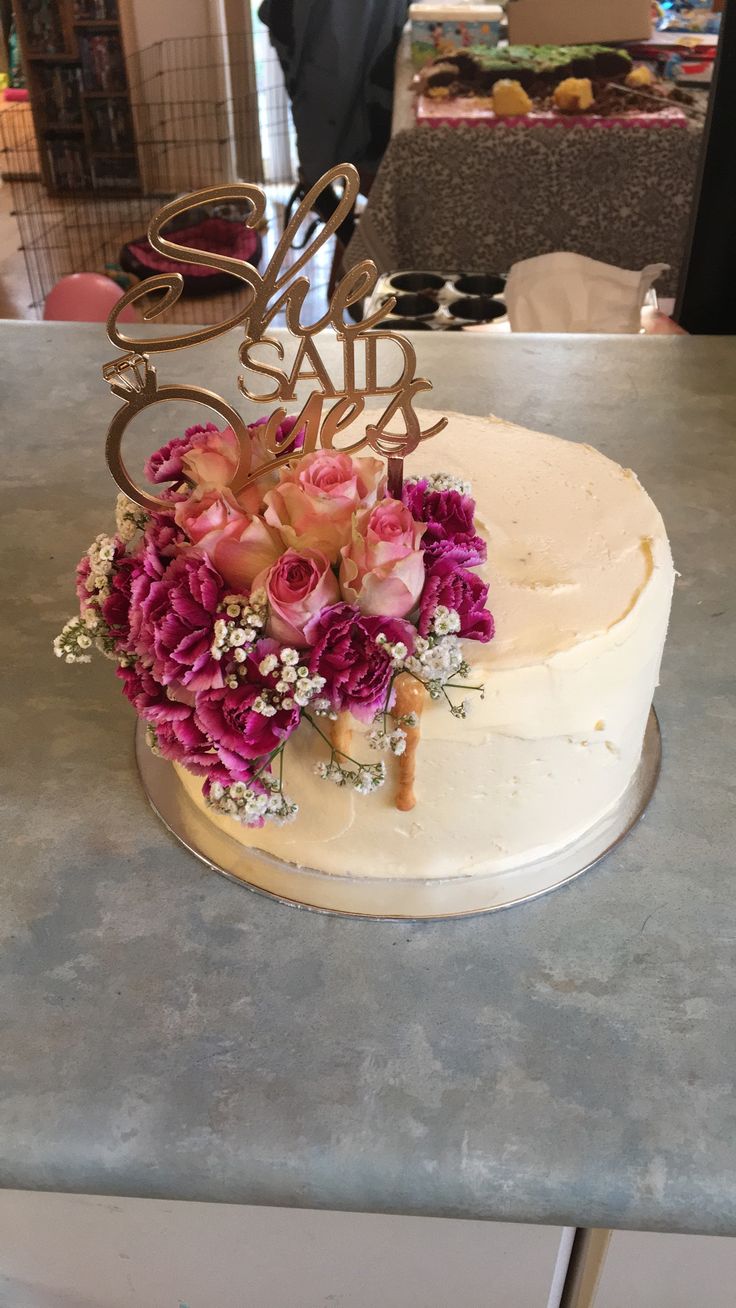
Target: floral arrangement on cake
pixel 234 621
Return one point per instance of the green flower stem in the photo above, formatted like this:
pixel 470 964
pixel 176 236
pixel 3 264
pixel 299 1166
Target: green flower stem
pixel 329 743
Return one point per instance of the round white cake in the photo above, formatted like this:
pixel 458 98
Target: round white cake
pixel 581 579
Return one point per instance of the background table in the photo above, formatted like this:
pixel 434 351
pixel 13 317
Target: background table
pixel 478 199
pixel 166 1033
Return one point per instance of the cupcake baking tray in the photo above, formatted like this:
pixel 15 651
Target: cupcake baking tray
pixel 400 898
pixel 434 301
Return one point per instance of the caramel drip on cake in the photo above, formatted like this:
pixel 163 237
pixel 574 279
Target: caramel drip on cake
pixel 341 733
pixel 410 696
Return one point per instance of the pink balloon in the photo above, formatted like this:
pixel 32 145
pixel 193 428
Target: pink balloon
pixel 85 297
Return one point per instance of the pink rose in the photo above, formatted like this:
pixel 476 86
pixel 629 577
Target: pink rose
pixel 382 568
pixel 213 457
pixel 315 499
pixel 251 497
pixel 205 512
pixel 239 545
pixel 298 586
pixel 246 547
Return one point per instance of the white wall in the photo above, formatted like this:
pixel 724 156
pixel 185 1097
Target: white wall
pixel 82 1251
pixel 147 21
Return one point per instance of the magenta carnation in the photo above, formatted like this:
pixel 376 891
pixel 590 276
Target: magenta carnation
pixel 356 669
pixel 175 621
pixel 84 567
pixel 116 606
pixel 450 523
pixel 149 697
pixel 167 463
pixel 237 732
pixel 164 536
pixel 283 430
pixel 179 736
pixel 84 570
pixel 458 589
pixel 181 740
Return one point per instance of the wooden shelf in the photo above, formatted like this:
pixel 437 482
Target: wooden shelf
pixel 53 58
pixel 98 193
pixel 79 37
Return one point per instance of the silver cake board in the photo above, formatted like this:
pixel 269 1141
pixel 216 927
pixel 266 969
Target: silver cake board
pixel 383 898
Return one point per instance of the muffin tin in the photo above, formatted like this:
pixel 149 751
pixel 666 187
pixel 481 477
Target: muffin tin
pixel 433 301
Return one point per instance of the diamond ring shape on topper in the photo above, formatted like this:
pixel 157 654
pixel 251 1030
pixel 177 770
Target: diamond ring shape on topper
pixel 333 404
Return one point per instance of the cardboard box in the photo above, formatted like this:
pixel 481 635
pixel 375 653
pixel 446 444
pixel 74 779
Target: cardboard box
pixel 436 29
pixel 578 22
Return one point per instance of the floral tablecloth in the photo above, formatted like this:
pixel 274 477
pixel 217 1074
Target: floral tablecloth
pixel 479 199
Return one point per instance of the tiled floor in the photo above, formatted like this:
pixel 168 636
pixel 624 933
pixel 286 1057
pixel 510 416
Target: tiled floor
pixel 15 293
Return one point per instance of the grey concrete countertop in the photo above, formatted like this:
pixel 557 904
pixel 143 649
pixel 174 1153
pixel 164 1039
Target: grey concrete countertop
pixel 166 1033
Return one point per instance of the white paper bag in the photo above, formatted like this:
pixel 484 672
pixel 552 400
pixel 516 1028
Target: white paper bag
pixel 569 293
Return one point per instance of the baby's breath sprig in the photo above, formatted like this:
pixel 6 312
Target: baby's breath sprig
pixel 250 806
pixel 101 555
pixel 243 623
pixel 74 642
pixel 384 741
pixel 79 636
pixel 130 518
pixel 364 778
pixel 443 481
pixel 436 660
pixel 292 685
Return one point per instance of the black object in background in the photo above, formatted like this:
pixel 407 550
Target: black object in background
pixel 706 302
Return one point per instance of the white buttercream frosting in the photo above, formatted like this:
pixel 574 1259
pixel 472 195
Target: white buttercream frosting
pixel 581 578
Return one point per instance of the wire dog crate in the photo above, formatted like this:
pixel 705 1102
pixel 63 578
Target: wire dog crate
pixel 206 110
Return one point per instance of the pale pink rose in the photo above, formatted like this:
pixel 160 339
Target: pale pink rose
pixel 298 586
pixel 204 512
pixel 382 568
pixel 246 547
pixel 251 497
pixel 316 497
pixel 213 460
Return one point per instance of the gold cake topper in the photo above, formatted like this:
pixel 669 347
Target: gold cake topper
pixel 132 376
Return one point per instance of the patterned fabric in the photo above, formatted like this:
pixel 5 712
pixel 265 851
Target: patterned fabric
pixel 465 198
pixel 218 235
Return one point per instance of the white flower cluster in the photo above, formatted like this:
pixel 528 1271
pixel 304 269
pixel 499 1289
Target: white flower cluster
pixel 242 802
pixel 408 720
pixel 462 709
pixel 74 642
pixel 322 708
pixel 445 622
pixel 397 652
pixel 101 554
pixel 437 658
pixel 237 633
pixel 436 662
pixel 79 635
pixel 292 683
pixel 387 741
pixel 129 517
pixel 364 777
pixel 444 481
